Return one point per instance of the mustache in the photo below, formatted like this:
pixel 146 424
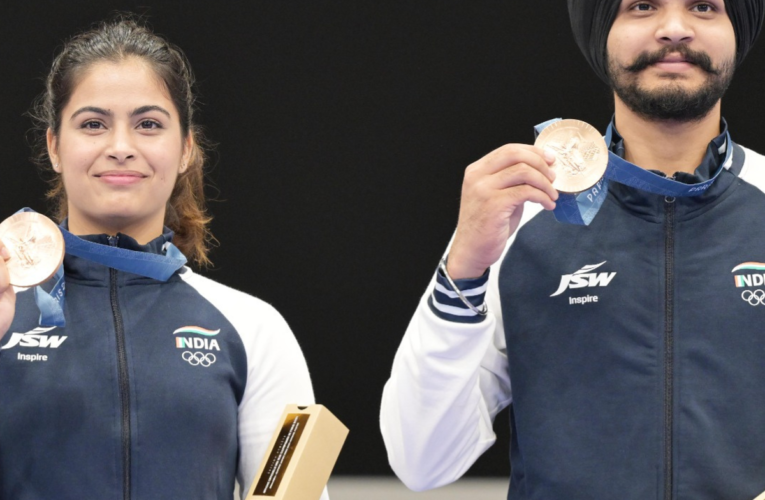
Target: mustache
pixel 700 59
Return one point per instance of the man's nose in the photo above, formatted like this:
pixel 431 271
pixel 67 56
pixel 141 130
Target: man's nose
pixel 675 26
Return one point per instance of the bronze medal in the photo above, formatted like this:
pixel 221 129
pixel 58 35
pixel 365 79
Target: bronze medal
pixel 36 246
pixel 581 154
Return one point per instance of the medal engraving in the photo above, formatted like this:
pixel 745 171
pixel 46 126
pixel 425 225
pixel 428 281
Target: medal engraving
pixel 36 246
pixel 581 155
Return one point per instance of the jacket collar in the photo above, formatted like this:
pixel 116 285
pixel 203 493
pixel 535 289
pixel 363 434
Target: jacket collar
pixel 81 269
pixel 652 206
pixel 713 157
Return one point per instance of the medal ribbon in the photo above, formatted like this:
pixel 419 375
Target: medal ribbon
pixel 158 267
pixel 581 208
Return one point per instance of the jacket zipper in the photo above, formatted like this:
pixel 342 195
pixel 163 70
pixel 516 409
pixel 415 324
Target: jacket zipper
pixel 123 381
pixel 669 263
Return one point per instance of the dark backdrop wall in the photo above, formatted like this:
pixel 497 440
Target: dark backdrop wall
pixel 343 129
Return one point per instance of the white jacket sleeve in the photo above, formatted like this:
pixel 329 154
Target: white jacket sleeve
pixel 449 381
pixel 277 374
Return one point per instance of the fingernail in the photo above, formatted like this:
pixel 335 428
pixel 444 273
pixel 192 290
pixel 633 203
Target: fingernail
pixel 5 253
pixel 549 156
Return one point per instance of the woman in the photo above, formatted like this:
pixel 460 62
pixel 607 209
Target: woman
pixel 152 389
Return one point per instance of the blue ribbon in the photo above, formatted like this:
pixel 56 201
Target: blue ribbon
pixel 158 267
pixel 581 208
pixel 51 304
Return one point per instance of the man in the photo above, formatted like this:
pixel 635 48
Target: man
pixel 632 357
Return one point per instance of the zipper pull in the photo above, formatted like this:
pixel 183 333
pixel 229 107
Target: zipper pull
pixel 670 199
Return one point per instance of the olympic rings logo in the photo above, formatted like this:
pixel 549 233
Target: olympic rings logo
pixel 754 298
pixel 199 358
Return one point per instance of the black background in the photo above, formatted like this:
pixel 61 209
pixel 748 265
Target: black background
pixel 343 129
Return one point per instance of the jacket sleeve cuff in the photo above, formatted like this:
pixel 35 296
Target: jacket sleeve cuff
pixel 447 305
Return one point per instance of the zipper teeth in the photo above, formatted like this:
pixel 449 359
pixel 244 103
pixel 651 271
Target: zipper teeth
pixel 123 384
pixel 669 256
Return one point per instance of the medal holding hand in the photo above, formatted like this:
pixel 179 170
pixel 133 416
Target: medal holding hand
pixel 568 157
pixel 7 295
pixel 494 190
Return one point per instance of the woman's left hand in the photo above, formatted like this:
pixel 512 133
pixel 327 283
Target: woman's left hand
pixel 7 294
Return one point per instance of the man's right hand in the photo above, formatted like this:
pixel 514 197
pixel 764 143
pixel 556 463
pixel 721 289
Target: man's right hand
pixel 7 294
pixel 493 193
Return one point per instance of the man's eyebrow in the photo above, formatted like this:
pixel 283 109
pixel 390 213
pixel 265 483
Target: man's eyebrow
pixel 91 109
pixel 146 109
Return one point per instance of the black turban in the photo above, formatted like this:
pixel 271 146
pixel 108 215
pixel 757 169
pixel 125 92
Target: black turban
pixel 591 22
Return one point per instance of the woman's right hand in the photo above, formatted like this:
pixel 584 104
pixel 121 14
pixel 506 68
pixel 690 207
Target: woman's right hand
pixel 7 294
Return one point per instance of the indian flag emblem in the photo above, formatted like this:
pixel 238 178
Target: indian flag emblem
pixel 749 266
pixel 197 330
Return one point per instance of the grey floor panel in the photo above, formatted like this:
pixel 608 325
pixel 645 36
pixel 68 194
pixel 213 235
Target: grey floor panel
pixel 376 488
pixel 384 488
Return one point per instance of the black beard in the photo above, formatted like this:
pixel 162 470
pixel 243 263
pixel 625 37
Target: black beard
pixel 673 102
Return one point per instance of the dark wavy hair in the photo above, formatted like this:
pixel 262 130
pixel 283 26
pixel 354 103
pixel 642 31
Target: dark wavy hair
pixel 114 41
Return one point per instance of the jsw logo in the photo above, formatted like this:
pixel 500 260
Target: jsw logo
pixel 583 278
pixel 35 339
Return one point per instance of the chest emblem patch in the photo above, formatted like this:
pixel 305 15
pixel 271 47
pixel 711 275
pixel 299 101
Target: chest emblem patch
pixel 584 278
pixel 748 276
pixel 198 344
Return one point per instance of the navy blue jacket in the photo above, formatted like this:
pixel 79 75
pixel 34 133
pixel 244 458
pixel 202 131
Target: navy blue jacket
pixel 150 391
pixel 636 346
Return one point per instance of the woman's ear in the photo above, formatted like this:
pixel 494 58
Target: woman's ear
pixel 188 148
pixel 52 141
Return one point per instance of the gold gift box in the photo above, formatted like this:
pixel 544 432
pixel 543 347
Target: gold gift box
pixel 301 456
